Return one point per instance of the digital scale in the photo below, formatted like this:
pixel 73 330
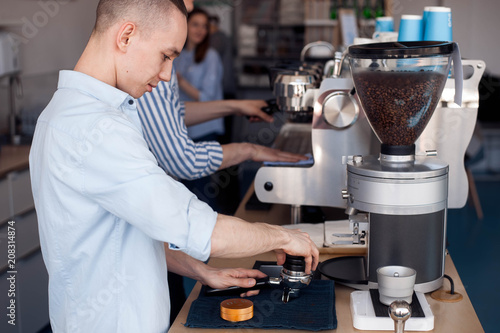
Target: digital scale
pixel 369 314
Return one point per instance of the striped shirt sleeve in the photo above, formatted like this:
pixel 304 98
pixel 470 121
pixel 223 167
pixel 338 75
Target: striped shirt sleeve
pixel 162 117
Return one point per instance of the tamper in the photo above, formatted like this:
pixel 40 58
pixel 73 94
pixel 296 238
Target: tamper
pixel 400 312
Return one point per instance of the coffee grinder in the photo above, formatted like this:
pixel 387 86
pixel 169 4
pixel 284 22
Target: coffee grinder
pixel 399 197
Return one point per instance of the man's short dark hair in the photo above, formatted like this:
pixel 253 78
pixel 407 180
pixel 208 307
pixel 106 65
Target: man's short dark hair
pixel 145 14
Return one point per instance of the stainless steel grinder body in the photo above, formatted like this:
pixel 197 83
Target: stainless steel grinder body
pixel 406 202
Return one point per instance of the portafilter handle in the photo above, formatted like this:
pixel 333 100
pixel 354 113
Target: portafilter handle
pixel 400 312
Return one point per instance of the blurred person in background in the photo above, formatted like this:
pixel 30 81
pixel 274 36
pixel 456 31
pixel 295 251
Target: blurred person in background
pixel 199 73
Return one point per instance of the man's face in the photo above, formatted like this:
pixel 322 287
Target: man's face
pixel 148 59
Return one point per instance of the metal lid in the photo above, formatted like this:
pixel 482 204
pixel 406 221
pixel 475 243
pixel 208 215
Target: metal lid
pixel 421 168
pixel 293 84
pixel 401 49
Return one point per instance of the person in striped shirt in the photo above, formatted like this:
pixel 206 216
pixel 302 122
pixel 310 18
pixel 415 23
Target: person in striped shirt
pixel 164 119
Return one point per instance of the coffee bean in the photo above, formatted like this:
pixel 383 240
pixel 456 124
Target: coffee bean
pixel 399 104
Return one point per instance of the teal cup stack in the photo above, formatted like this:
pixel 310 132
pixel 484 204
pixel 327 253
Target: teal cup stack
pixel 437 24
pixel 384 24
pixel 411 28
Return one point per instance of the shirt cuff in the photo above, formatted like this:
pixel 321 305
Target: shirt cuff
pixel 202 221
pixel 215 156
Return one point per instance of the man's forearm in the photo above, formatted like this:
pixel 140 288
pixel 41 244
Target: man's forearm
pixel 199 112
pixel 189 89
pixel 236 238
pixel 180 263
pixel 235 153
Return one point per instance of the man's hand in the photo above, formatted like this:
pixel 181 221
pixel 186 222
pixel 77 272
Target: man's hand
pixel 300 245
pixel 183 264
pixel 266 154
pixel 235 153
pixel 199 112
pixel 252 108
pixel 224 278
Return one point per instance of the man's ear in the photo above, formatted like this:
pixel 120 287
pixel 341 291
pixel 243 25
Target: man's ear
pixel 125 34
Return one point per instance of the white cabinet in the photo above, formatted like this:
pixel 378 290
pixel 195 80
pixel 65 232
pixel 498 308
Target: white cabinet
pixel 5 210
pixel 33 297
pixel 21 191
pixel 31 278
pixel 27 239
pixel 5 302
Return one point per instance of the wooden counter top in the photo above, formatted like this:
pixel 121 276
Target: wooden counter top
pixel 13 158
pixel 448 317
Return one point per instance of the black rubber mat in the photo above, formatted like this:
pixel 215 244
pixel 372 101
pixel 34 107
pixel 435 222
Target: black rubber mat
pixel 382 310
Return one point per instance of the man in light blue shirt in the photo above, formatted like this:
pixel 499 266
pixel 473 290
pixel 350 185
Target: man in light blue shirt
pixel 105 209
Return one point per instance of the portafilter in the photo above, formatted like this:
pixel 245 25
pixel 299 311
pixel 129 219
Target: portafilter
pixel 292 279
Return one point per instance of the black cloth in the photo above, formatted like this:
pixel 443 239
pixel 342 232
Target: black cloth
pixel 313 310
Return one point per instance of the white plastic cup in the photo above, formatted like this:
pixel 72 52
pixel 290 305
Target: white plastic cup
pixel 395 283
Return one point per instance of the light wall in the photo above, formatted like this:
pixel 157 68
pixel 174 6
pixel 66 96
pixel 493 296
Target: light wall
pixel 476 26
pixel 52 35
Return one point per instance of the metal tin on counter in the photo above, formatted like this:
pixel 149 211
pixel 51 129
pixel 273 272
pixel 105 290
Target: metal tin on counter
pixel 236 309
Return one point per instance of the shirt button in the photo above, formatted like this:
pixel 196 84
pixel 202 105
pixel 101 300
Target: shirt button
pixel 130 101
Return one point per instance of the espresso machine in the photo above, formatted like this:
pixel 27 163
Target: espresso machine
pixel 395 194
pixel 331 127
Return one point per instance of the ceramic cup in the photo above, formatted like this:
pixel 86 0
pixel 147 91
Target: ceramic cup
pixel 359 40
pixel 384 23
pixel 395 283
pixel 385 36
pixel 437 24
pixel 411 28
